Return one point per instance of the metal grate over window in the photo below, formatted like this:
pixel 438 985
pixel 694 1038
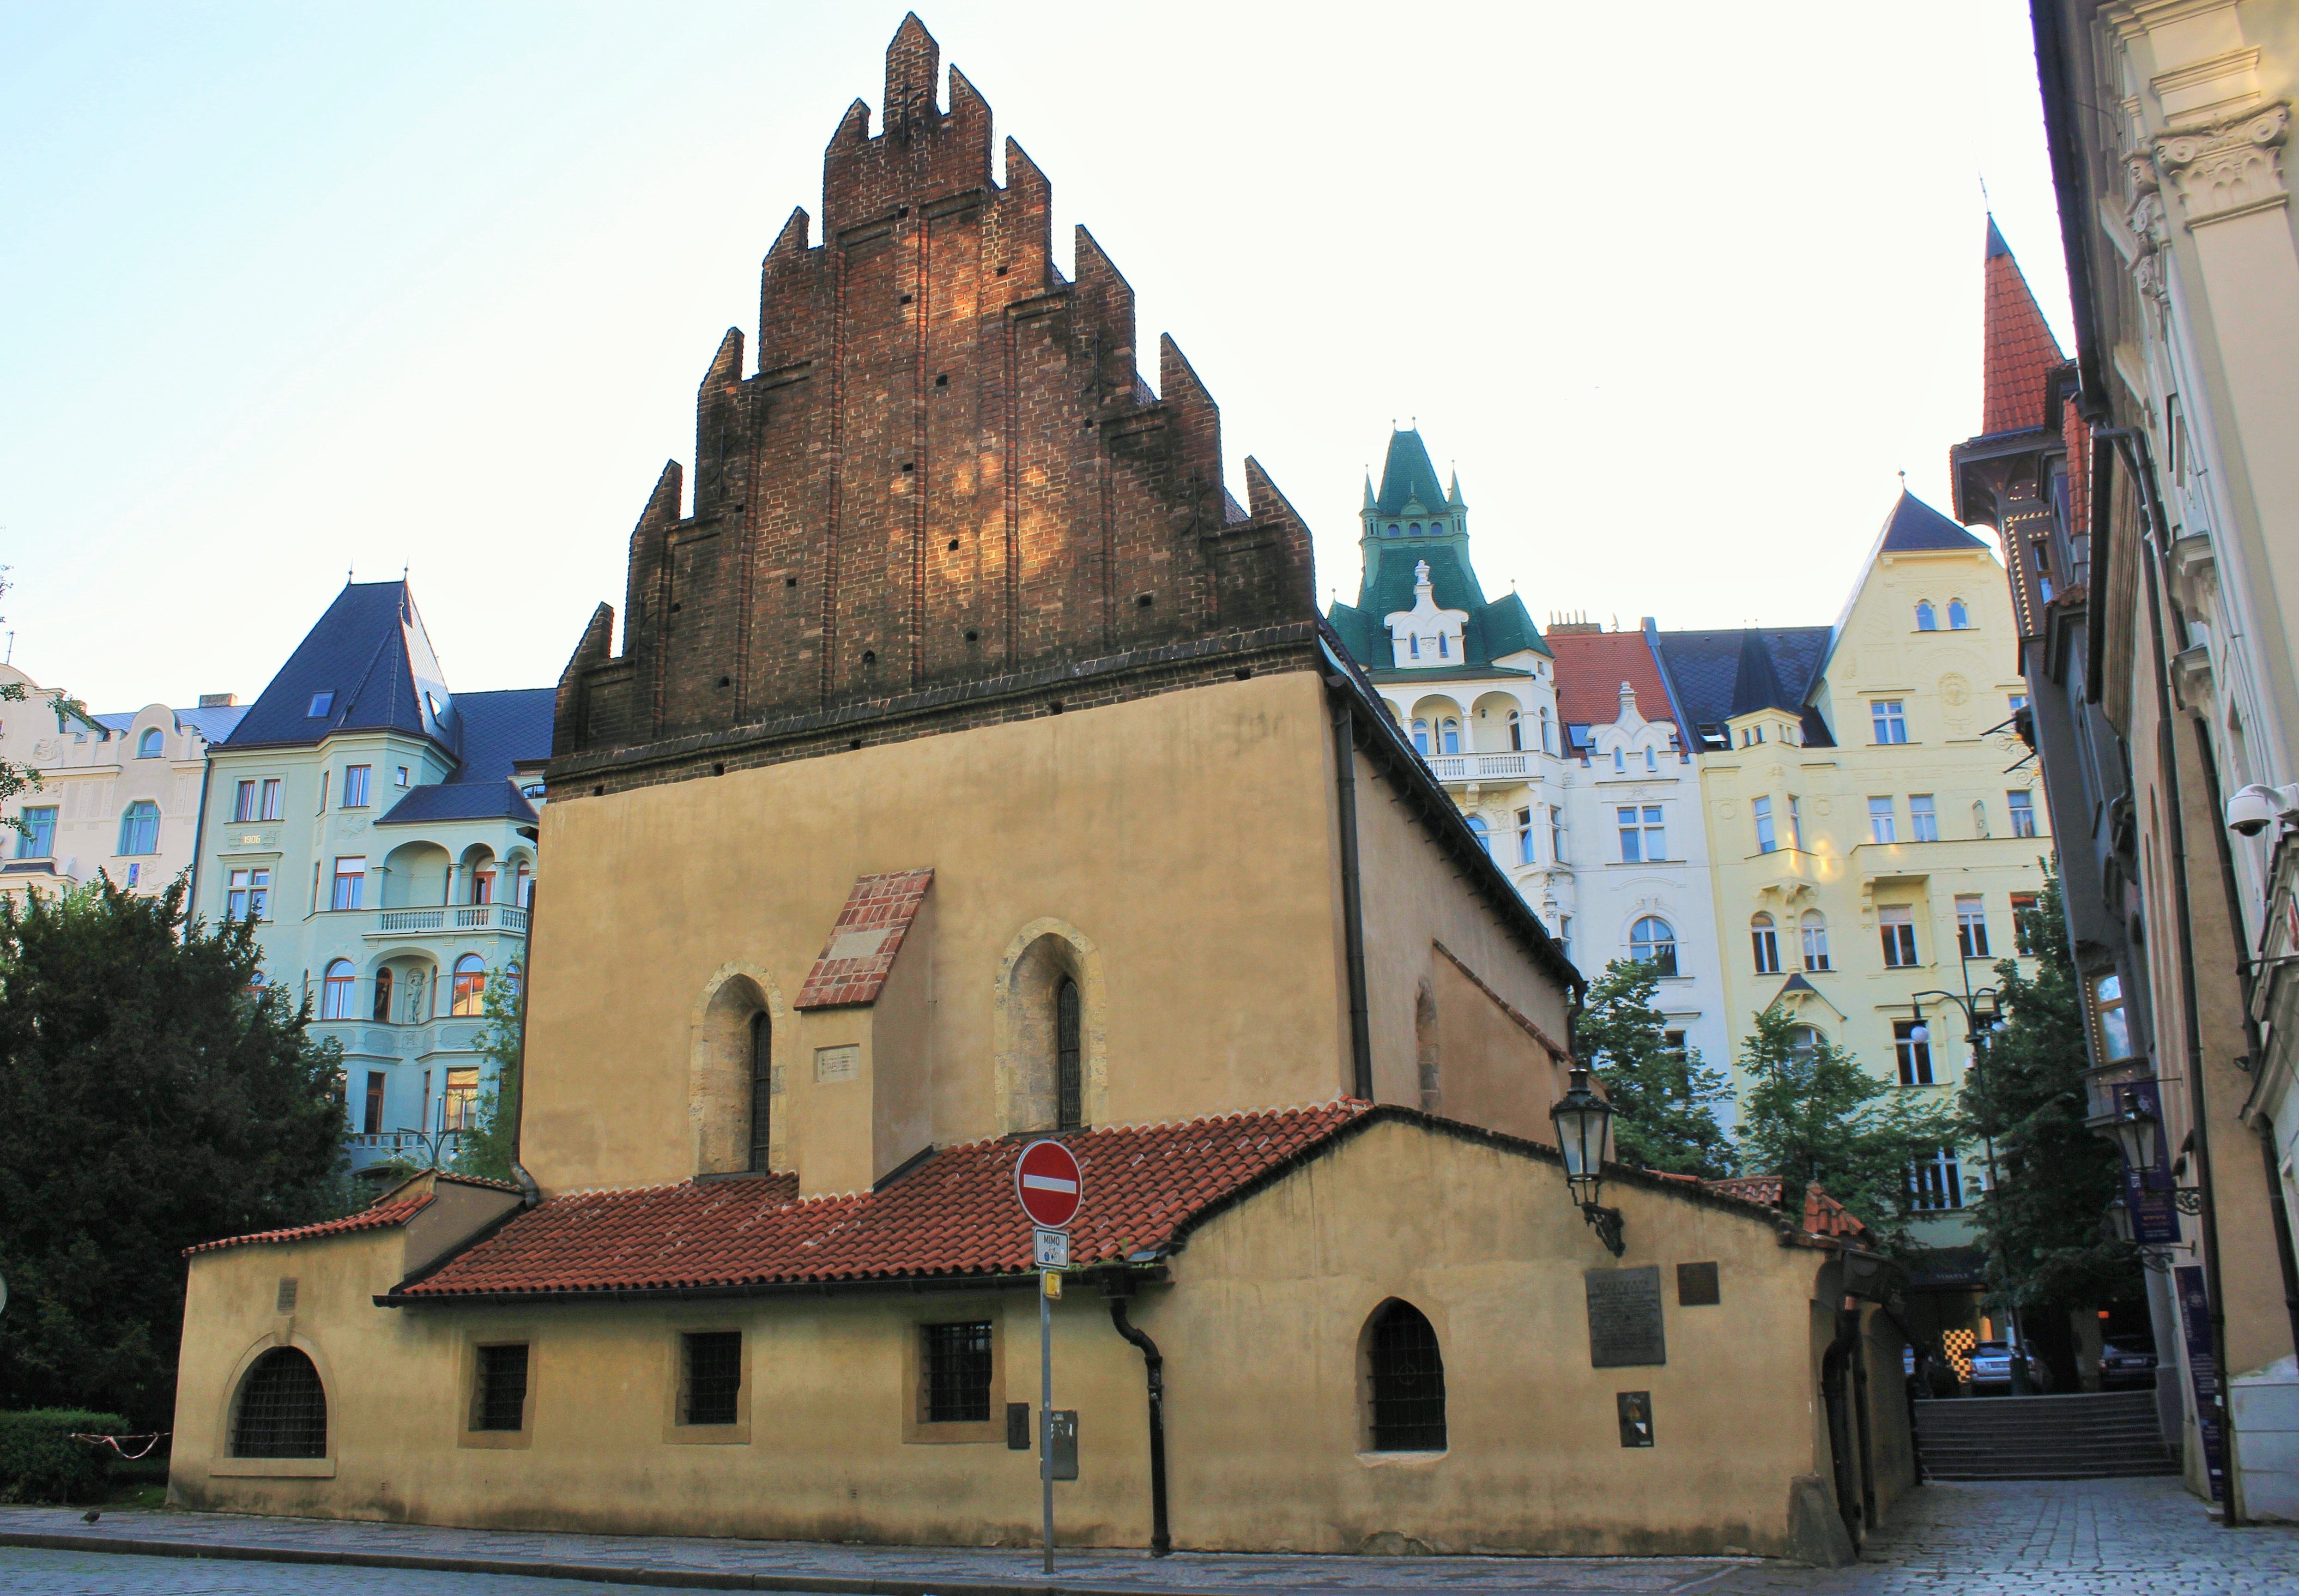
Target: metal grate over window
pixel 762 1092
pixel 283 1409
pixel 1409 1383
pixel 714 1377
pixel 1067 1026
pixel 499 1403
pixel 957 1373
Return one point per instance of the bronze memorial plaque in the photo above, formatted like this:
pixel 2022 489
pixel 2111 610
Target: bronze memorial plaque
pixel 1624 1326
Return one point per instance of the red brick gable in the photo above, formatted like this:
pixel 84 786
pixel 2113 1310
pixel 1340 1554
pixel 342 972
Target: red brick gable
pixel 954 1215
pixel 855 963
pixel 1591 666
pixel 2019 351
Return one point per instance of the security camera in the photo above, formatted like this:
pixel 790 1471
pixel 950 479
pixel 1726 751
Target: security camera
pixel 2256 807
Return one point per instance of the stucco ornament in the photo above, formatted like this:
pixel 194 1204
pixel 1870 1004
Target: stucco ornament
pixel 1954 690
pixel 2229 168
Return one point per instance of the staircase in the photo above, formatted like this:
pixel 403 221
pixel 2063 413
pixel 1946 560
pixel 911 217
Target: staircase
pixel 2076 1437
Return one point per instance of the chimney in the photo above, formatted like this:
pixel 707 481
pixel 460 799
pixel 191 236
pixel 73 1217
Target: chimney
pixel 218 700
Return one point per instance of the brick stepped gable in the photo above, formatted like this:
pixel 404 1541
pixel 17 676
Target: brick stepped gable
pixel 946 470
pixel 2085 1436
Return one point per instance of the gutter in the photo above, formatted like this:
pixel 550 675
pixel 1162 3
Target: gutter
pixel 900 1285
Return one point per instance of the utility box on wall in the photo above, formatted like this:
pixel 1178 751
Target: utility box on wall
pixel 1064 1443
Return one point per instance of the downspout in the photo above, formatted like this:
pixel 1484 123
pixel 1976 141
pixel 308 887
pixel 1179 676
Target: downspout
pixel 529 1192
pixel 199 841
pixel 1345 797
pixel 2191 1023
pixel 1832 1364
pixel 1153 1363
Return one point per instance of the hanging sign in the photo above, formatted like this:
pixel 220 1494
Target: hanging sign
pixel 2195 1326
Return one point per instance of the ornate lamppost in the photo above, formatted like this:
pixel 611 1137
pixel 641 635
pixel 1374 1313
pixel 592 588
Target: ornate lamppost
pixel 1584 1135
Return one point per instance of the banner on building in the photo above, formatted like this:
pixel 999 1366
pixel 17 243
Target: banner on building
pixel 2202 1368
pixel 2154 1217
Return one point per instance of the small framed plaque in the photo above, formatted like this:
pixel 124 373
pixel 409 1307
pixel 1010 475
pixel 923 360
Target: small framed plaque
pixel 1695 1285
pixel 1636 1417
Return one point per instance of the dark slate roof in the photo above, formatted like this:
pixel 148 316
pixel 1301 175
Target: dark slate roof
pixel 500 730
pixel 371 653
pixel 1915 526
pixel 1407 474
pixel 1755 685
pixel 1704 669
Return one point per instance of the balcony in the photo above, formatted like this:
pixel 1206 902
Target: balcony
pixel 445 920
pixel 1457 768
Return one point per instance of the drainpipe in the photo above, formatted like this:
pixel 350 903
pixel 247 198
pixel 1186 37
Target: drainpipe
pixel 529 1192
pixel 1345 795
pixel 1153 1363
pixel 1849 1494
pixel 2131 446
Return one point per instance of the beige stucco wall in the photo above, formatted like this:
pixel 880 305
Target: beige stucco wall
pixel 1260 1329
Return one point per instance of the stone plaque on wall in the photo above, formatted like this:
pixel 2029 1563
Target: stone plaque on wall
pixel 1624 1325
pixel 837 1063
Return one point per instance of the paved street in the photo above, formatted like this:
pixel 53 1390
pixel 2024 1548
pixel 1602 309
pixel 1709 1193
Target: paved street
pixel 2091 1538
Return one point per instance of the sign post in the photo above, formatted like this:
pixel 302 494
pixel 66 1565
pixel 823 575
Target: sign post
pixel 1048 1185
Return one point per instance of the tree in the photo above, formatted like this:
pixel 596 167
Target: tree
pixel 487 1148
pixel 1813 1114
pixel 2053 1179
pixel 1664 1098
pixel 152 1096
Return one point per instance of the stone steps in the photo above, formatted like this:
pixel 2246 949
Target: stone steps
pixel 2080 1436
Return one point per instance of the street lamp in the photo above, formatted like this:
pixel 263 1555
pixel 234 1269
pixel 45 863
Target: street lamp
pixel 2136 1131
pixel 1584 1135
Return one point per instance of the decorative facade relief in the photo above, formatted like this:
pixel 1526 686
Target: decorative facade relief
pixel 2229 169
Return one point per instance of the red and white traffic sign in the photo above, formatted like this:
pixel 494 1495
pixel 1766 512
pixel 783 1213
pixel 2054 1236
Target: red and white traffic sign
pixel 1048 1184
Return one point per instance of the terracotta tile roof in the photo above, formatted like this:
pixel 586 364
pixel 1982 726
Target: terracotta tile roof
pixel 856 960
pixel 1823 1215
pixel 1591 666
pixel 2019 351
pixel 2077 437
pixel 387 1213
pixel 953 1215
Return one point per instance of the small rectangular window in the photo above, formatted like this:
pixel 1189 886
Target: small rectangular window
pixel 351 883
pixel 1632 840
pixel 2023 940
pixel 955 1378
pixel 1881 825
pixel 711 1382
pixel 1890 716
pixel 1971 926
pixel 1655 833
pixel 1766 940
pixel 355 786
pixel 1555 834
pixel 242 803
pixel 1524 854
pixel 321 702
pixel 1924 819
pixel 38 839
pixel 1914 1054
pixel 2114 1018
pixel 1897 922
pixel 2019 701
pixel 323 790
pixel 2023 806
pixel 248 896
pixel 1796 823
pixel 459 1103
pixel 1936 1183
pixel 399 776
pixel 1767 838
pixel 499 1394
pixel 372 1123
pixel 271 794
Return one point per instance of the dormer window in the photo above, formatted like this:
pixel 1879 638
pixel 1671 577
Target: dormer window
pixel 321 702
pixel 1424 633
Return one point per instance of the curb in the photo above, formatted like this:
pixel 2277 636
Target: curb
pixel 607 1573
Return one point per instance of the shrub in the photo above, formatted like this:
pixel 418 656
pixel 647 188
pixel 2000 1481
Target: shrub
pixel 39 1460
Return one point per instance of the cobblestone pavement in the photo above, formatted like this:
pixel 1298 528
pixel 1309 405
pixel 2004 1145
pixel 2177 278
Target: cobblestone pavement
pixel 2088 1538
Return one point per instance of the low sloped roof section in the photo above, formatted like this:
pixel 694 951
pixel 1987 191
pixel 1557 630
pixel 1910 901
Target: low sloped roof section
pixel 500 732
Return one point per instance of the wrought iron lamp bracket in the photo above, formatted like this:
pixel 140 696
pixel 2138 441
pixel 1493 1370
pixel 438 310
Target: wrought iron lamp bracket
pixel 1607 1224
pixel 2190 1198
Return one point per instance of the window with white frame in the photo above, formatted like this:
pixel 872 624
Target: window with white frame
pixel 351 883
pixel 1421 737
pixel 1796 823
pixel 337 990
pixel 1516 732
pixel 1914 1053
pixel 1620 761
pixel 2023 806
pixel 1814 930
pixel 1555 834
pixel 1972 926
pixel 1881 825
pixel 273 791
pixel 1653 941
pixel 1936 1183
pixel 355 786
pixel 1923 820
pixel 1766 939
pixel 242 803
pixel 1642 836
pixel 1483 833
pixel 1524 836
pixel 1547 732
pixel 1897 923
pixel 1450 732
pixel 1889 719
pixel 1767 839
pixel 249 894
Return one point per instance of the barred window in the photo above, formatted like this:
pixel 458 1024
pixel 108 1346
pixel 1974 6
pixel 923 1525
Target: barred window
pixel 283 1409
pixel 499 1396
pixel 1406 1373
pixel 762 1092
pixel 957 1372
pixel 1069 1076
pixel 712 1380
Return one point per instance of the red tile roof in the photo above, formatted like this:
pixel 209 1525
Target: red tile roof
pixel 384 1213
pixel 2019 351
pixel 1823 1215
pixel 2077 437
pixel 1591 666
pixel 953 1215
pixel 860 953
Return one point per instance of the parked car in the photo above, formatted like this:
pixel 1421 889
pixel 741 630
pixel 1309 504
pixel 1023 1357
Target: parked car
pixel 2126 1364
pixel 1991 1368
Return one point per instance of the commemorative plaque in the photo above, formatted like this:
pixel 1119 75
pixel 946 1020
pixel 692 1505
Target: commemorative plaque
pixel 1624 1325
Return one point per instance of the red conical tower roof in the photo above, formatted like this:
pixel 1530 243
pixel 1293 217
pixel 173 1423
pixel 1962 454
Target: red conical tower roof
pixel 2021 352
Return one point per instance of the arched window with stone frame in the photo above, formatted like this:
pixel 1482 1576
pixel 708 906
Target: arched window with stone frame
pixel 1050 1063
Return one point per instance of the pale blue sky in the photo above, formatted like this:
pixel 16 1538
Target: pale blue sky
pixel 290 289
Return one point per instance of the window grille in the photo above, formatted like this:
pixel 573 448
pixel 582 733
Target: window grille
pixel 283 1409
pixel 762 1090
pixel 1069 1083
pixel 957 1373
pixel 1407 1374
pixel 714 1377
pixel 500 1401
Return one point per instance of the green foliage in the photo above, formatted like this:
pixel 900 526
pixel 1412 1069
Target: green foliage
pixel 486 1150
pixel 150 1099
pixel 1663 1099
pixel 40 1462
pixel 2053 1179
pixel 1813 1114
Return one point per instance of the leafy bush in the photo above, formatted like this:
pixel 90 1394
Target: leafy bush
pixel 39 1461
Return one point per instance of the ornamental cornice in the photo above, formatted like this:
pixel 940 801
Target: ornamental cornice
pixel 2230 169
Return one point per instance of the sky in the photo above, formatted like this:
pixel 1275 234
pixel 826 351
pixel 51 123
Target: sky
pixel 297 291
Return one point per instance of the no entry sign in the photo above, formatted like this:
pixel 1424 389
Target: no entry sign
pixel 1047 1181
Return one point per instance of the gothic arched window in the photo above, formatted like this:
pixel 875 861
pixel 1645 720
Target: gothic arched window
pixel 282 1410
pixel 1653 941
pixel 1069 1076
pixel 1926 621
pixel 762 1090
